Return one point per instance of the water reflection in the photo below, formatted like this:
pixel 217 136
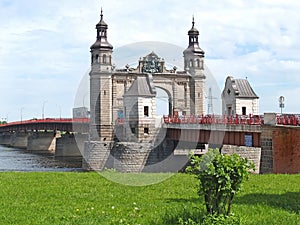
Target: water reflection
pixel 12 159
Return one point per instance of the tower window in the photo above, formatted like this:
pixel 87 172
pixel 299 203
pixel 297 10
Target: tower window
pixel 104 59
pixel 191 63
pixel 146 130
pixel 97 58
pixel 198 63
pixel 146 110
pixel 104 92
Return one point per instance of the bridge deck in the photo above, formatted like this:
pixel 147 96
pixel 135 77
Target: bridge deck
pixel 62 124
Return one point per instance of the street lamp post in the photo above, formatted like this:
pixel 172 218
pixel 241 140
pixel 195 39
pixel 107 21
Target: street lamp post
pixel 21 112
pixel 43 113
pixel 281 103
pixel 59 111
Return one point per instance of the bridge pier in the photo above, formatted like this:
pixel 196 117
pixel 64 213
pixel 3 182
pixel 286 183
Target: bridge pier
pixel 42 142
pixel 19 140
pixel 70 147
pixel 5 139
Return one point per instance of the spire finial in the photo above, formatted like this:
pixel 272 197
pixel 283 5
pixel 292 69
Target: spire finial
pixel 193 21
pixel 101 14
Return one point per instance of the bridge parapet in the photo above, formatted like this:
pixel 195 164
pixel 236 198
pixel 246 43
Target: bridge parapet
pixel 215 119
pixel 282 119
pixel 251 123
pixel 216 127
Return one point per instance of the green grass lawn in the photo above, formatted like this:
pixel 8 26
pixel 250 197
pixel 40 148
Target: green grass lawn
pixel 88 198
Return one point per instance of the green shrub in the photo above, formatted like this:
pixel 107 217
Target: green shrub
pixel 220 177
pixel 215 219
pixel 221 220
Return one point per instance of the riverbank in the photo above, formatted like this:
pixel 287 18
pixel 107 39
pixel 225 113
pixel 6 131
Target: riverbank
pixel 89 198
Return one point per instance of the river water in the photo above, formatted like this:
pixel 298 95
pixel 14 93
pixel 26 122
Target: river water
pixel 12 159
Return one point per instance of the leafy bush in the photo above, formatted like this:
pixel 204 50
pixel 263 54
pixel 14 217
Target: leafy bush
pixel 213 220
pixel 221 220
pixel 220 177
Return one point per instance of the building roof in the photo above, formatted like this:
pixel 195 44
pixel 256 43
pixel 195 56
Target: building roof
pixel 141 87
pixel 241 87
pixel 244 89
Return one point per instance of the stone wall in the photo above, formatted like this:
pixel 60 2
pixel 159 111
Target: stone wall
pixel 266 138
pixel 286 149
pixel 253 154
pixel 129 156
pixel 280 148
pixel 96 154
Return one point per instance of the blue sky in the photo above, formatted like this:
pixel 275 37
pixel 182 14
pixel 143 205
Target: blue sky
pixel 44 46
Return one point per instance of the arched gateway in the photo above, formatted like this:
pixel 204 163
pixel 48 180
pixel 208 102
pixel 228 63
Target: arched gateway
pixel 123 101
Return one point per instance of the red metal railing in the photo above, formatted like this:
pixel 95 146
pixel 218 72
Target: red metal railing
pixel 214 119
pixel 288 119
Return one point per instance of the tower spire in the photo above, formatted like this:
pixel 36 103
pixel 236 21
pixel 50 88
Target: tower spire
pixel 101 41
pixel 193 40
pixel 193 22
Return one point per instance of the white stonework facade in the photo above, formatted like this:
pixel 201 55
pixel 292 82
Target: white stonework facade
pixel 239 98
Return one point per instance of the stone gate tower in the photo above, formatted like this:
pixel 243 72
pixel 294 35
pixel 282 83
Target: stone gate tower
pixel 100 85
pixel 194 64
pixel 124 132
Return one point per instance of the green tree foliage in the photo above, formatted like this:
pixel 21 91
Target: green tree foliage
pixel 220 177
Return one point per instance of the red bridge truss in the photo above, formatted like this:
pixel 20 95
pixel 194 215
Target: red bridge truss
pixel 62 124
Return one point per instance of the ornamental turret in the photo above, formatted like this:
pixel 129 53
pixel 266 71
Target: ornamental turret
pixel 193 55
pixel 101 50
pixel 101 85
pixel 194 65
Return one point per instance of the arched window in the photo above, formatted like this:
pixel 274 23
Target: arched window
pixel 104 59
pixel 198 63
pixel 191 63
pixel 97 58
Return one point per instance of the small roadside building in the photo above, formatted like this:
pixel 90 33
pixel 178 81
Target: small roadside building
pixel 239 98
